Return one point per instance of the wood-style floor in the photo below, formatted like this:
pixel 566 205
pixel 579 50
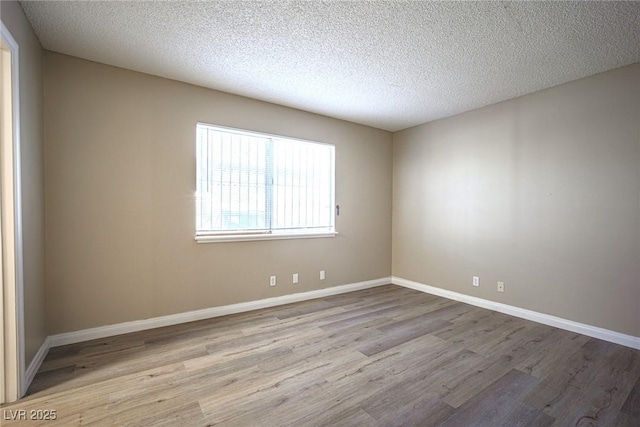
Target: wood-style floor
pixel 387 356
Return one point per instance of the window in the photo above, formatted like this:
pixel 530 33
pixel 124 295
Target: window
pixel 252 186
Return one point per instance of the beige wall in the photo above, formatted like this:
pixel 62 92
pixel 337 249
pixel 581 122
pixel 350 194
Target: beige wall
pixel 542 192
pixel 120 183
pixel 31 145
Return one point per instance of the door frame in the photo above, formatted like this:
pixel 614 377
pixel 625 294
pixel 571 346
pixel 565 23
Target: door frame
pixel 12 353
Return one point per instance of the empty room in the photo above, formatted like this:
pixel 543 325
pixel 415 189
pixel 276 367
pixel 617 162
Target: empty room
pixel 320 213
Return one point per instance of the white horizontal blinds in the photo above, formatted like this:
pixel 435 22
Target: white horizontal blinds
pixel 303 186
pixel 249 183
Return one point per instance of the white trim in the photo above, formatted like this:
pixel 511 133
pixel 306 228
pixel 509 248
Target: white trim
pixel 258 134
pixel 17 185
pixel 546 319
pixel 207 313
pixel 251 237
pixel 37 360
pixel 17 212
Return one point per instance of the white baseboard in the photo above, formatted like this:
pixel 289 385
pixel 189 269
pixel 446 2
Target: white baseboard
pixel 174 319
pixel 546 319
pixel 37 360
pixel 207 313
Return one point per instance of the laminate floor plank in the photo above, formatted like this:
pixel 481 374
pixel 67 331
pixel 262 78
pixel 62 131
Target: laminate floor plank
pixel 499 405
pixel 399 394
pixel 425 411
pixel 350 417
pixel 625 420
pixel 466 384
pixel 401 336
pixel 456 312
pixel 307 307
pixel 387 311
pixel 385 356
pixel 313 319
pixel 265 386
pixel 328 344
pixel 505 339
pixel 401 322
pixel 631 405
pixel 602 399
pixel 568 395
pixel 90 371
pixel 553 349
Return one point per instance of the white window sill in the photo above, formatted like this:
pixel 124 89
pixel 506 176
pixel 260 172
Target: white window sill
pixel 252 237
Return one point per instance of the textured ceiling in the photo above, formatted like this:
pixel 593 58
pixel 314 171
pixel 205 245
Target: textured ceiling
pixel 390 64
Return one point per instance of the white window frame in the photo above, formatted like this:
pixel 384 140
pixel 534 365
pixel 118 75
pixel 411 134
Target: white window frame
pixel 219 237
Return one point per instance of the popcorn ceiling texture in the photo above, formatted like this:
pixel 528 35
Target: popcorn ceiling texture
pixel 390 65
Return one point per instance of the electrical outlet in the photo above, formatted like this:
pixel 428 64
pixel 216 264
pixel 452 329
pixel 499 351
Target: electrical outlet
pixel 272 281
pixel 500 286
pixel 476 281
pixel 322 276
pixel 295 278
